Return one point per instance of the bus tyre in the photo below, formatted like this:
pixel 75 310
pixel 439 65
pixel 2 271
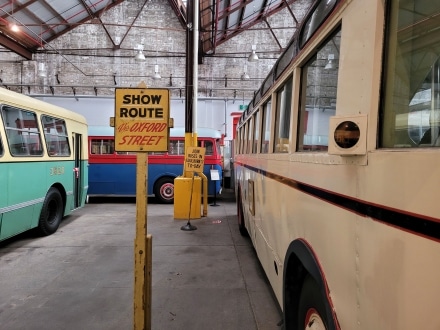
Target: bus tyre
pixel 240 218
pixel 311 311
pixel 51 212
pixel 164 190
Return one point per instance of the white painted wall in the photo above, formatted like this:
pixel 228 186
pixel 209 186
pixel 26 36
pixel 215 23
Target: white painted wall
pixel 212 113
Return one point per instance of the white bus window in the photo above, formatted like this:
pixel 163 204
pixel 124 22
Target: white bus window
pixel 322 10
pixel 22 132
pixel 257 132
pixel 319 84
pixel 250 129
pixel 176 147
pixel 265 127
pixel 102 147
pixel 411 107
pixel 208 145
pixel 55 133
pixel 282 117
pixel 243 138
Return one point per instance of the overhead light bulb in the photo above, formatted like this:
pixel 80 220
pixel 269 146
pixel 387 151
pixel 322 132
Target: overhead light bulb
pixel 41 70
pixel 330 64
pixel 140 56
pixel 253 57
pixel 245 76
pixel 156 72
pixel 14 27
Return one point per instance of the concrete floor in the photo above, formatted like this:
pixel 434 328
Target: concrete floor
pixel 82 276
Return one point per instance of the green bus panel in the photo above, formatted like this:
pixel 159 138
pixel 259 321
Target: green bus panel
pixel 26 185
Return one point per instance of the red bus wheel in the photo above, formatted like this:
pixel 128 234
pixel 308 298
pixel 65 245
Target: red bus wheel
pixel 164 190
pixel 311 307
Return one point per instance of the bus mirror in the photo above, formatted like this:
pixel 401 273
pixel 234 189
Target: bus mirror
pixel 348 135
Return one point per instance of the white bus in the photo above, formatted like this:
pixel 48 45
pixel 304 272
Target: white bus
pixel 43 164
pixel 337 168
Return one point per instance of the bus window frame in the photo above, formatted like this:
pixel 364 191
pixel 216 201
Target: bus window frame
pixel 283 112
pixel 23 132
pixel 316 60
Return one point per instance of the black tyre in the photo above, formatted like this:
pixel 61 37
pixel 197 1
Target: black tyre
pixel 51 213
pixel 311 311
pixel 164 190
pixel 240 218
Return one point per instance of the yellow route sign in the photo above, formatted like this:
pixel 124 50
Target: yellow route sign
pixel 194 159
pixel 141 119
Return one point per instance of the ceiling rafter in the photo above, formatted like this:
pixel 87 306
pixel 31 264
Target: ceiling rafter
pixel 220 20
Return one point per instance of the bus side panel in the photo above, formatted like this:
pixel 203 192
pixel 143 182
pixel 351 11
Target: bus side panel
pixel 112 179
pixel 59 174
pixel 120 178
pixel 23 197
pixel 4 168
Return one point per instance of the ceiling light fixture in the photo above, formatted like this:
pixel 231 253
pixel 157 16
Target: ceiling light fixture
pixel 156 72
pixel 245 76
pixel 41 70
pixel 14 27
pixel 330 64
pixel 140 57
pixel 253 57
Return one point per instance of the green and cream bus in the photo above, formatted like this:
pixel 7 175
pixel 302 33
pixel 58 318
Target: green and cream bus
pixel 337 168
pixel 43 164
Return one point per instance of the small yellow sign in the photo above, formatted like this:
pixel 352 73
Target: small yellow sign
pixel 141 119
pixel 194 159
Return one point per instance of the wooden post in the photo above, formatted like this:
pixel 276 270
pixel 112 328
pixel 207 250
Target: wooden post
pixel 142 250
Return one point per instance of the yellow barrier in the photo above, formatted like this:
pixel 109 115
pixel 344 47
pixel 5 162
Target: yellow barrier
pixel 187 198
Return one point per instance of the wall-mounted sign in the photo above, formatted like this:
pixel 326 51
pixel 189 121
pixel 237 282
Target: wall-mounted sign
pixel 141 119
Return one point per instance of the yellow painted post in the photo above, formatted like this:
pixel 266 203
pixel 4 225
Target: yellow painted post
pixel 148 280
pixel 205 194
pixel 190 141
pixel 134 131
pixel 142 250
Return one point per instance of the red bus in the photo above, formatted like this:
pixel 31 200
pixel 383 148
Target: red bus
pixel 113 173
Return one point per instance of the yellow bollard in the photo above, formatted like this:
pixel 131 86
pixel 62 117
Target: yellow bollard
pixel 187 198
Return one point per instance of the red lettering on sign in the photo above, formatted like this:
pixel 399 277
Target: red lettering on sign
pixel 147 140
pixel 148 127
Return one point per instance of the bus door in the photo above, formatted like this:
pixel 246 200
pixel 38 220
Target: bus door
pixel 77 170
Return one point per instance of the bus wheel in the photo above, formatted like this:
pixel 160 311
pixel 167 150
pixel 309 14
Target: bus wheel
pixel 51 213
pixel 164 190
pixel 240 218
pixel 311 307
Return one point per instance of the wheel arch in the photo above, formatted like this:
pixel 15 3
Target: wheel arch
pixel 63 193
pixel 301 261
pixel 162 176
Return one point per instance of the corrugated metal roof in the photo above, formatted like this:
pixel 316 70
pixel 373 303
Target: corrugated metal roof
pixel 42 21
pixel 224 19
